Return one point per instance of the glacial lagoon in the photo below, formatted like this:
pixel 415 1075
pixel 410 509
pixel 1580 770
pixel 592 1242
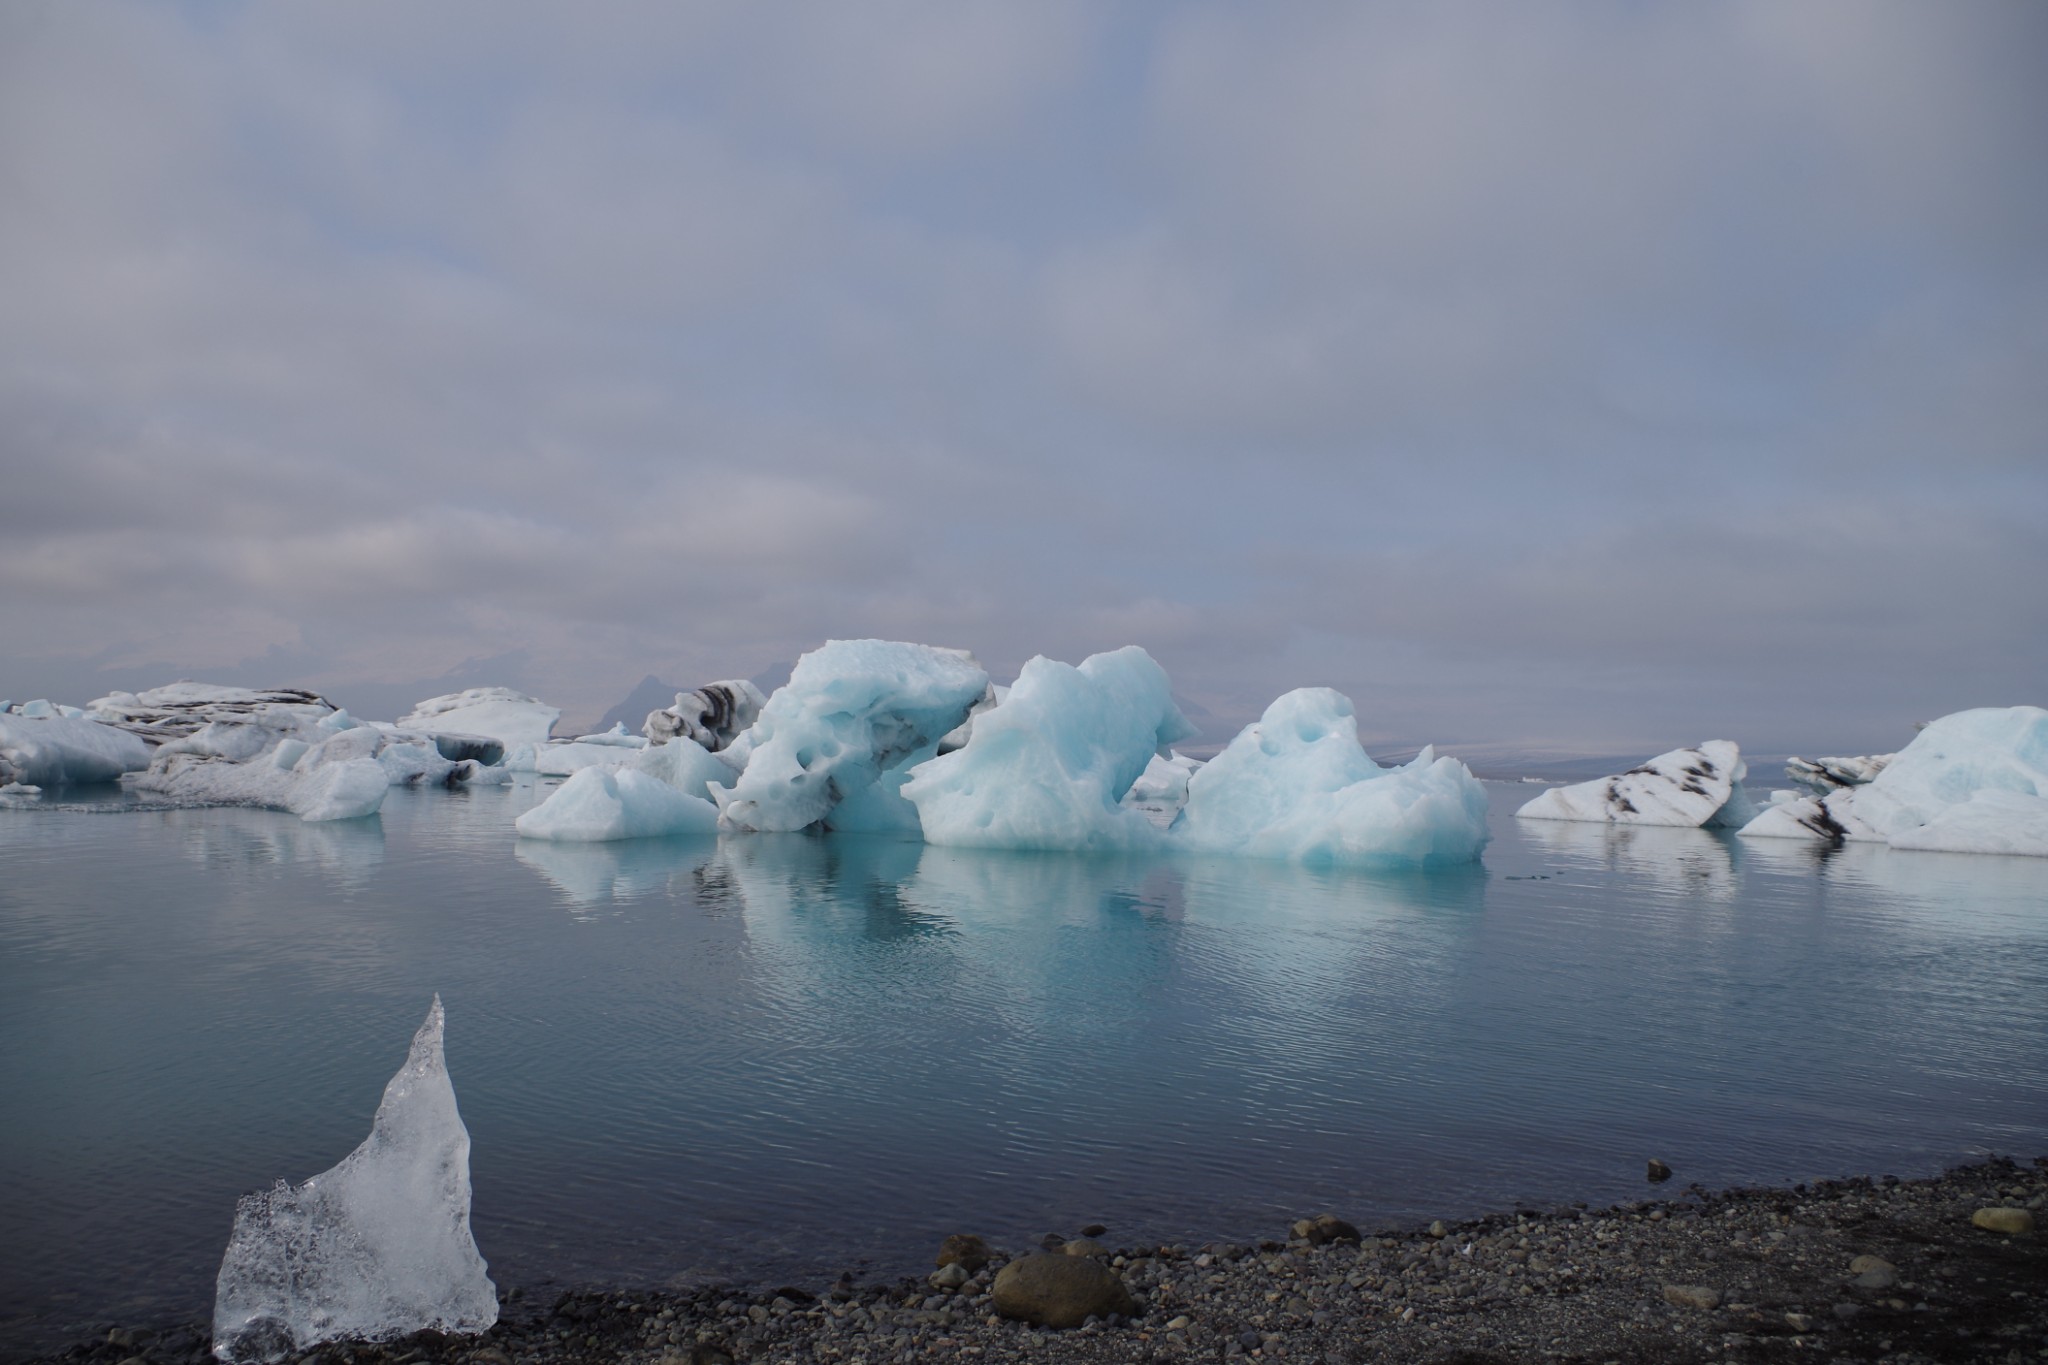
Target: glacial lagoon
pixel 775 1058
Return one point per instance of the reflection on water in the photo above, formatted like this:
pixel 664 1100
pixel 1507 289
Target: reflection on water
pixel 777 1056
pixel 1686 862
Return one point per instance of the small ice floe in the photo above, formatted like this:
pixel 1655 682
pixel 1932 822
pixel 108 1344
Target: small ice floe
pixel 162 714
pixel 601 804
pixel 1972 782
pixel 376 1248
pixel 1824 775
pixel 1296 784
pixel 1688 788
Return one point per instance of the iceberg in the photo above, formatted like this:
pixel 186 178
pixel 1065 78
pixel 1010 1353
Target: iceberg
pixel 1823 775
pixel 1049 767
pixel 54 750
pixel 172 712
pixel 511 718
pixel 1297 785
pixel 376 1248
pixel 1972 782
pixel 1162 789
pixel 600 804
pixel 315 773
pixel 685 765
pixel 1698 788
pixel 832 745
pixel 714 715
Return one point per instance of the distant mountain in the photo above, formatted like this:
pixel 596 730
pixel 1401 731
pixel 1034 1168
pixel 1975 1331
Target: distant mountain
pixel 651 695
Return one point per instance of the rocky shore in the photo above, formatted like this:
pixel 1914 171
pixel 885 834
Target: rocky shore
pixel 1953 1268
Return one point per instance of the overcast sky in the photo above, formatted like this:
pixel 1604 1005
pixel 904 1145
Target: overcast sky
pixel 1584 377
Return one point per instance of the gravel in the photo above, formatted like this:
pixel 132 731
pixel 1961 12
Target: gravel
pixel 1863 1270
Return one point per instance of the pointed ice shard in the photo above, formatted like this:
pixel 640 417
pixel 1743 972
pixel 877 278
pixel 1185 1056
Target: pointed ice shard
pixel 379 1247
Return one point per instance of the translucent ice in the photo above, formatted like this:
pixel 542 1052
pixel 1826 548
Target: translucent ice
pixel 600 804
pixel 1692 788
pixel 1297 785
pixel 1048 767
pixel 376 1248
pixel 853 713
pixel 53 750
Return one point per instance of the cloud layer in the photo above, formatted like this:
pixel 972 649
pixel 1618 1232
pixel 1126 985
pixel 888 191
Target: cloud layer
pixel 1600 378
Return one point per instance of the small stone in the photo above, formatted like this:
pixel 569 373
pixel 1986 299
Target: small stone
pixel 1085 1246
pixel 1180 1324
pixel 949 1276
pixel 1692 1296
pixel 1658 1171
pixel 964 1249
pixel 1863 1265
pixel 2009 1221
pixel 1093 1230
pixel 1325 1228
pixel 120 1336
pixel 1799 1322
pixel 1437 1229
pixel 1845 1311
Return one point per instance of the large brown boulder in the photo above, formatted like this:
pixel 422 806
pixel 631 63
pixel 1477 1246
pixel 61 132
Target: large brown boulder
pixel 1053 1290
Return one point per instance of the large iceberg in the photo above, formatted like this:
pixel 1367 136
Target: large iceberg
pixel 832 745
pixel 1693 788
pixel 1972 782
pixel 54 750
pixel 714 715
pixel 1049 767
pixel 376 1248
pixel 512 718
pixel 1296 784
pixel 600 804
pixel 182 708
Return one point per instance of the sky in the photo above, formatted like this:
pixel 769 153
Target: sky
pixel 1591 378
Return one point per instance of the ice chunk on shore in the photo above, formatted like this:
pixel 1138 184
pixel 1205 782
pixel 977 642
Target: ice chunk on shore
pixel 714 715
pixel 1296 784
pixel 1693 788
pixel 57 750
pixel 376 1248
pixel 1972 782
pixel 1049 767
pixel 852 713
pixel 513 718
pixel 601 804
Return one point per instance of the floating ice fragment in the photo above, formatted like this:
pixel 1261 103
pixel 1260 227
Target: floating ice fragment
pixel 497 712
pixel 601 804
pixel 1690 788
pixel 376 1248
pixel 54 750
pixel 1048 767
pixel 1297 785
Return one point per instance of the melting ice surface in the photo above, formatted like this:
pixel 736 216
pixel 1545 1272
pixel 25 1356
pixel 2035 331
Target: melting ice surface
pixel 379 1247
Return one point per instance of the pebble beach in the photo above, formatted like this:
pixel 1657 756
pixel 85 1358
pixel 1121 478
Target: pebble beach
pixel 1952 1268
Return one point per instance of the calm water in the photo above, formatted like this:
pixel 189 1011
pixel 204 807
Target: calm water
pixel 781 1057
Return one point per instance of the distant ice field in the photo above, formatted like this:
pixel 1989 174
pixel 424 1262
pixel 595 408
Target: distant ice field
pixel 777 1057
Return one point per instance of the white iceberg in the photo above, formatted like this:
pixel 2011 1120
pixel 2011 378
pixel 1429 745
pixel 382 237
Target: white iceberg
pixel 1972 782
pixel 600 804
pixel 1698 788
pixel 1049 767
pixel 337 778
pixel 1162 789
pixel 1296 784
pixel 376 1248
pixel 714 715
pixel 832 745
pixel 56 750
pixel 512 718
pixel 179 709
pixel 685 765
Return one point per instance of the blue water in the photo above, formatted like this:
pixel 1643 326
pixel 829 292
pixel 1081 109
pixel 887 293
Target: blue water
pixel 776 1058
